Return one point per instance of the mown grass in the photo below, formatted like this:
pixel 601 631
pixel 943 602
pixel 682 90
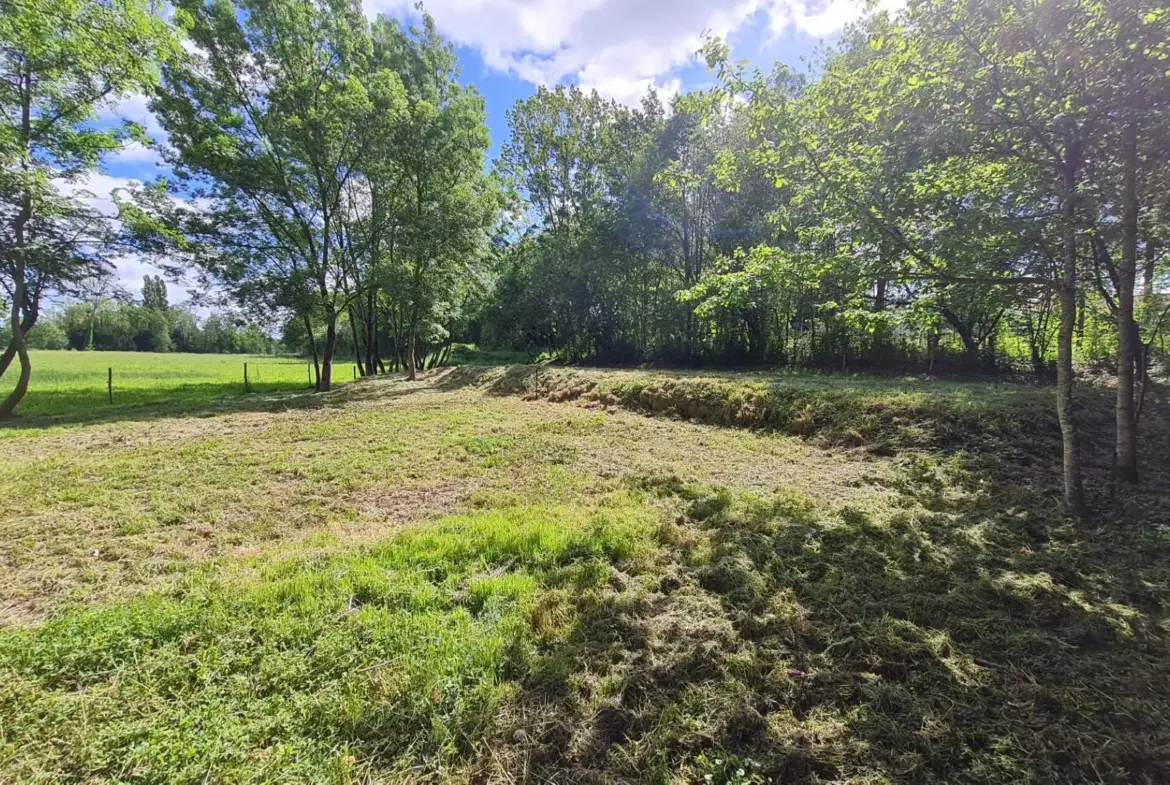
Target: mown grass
pixel 324 669
pixel 71 383
pixel 436 582
pixel 882 414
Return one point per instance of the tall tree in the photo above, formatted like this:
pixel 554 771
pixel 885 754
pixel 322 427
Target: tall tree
pixel 266 115
pixel 154 293
pixel 61 63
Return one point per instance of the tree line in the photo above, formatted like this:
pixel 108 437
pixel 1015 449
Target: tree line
pixel 114 322
pixel 963 181
pixel 969 183
pixel 328 169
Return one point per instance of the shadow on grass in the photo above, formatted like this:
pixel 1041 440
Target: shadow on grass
pixel 984 639
pixel 885 416
pixel 57 408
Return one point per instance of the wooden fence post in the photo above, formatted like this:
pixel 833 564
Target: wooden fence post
pixel 110 384
pixel 247 389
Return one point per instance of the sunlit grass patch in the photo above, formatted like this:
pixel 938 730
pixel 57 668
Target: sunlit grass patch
pixel 314 669
pixel 69 382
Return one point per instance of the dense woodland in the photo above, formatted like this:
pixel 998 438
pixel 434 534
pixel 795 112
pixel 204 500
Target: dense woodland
pixel 972 185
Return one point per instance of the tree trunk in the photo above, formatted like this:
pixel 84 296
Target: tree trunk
pixel 1125 466
pixel 1074 493
pixel 26 324
pixel 411 369
pixel 19 263
pixel 1150 267
pixel 970 345
pixel 18 392
pixel 325 382
pixel 357 349
pixel 313 348
pixel 411 361
pixel 372 332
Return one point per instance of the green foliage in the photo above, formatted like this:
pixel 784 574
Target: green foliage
pixel 154 293
pixel 898 210
pixel 61 63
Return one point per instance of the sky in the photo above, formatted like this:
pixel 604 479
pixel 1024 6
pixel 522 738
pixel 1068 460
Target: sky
pixel 508 48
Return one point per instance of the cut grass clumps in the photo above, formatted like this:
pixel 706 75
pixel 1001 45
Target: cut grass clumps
pixel 335 669
pixel 884 415
pixel 776 646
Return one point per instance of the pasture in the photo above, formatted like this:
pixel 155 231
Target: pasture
pixel 526 574
pixel 68 382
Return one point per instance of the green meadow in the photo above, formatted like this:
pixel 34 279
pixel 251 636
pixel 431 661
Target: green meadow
pixel 68 381
pixel 528 574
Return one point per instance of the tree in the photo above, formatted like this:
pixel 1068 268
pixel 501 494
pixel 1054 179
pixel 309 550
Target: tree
pixel 936 135
pixel 61 61
pixel 266 117
pixel 154 293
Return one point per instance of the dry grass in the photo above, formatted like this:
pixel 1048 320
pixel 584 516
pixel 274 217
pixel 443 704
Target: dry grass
pixel 105 510
pixel 516 576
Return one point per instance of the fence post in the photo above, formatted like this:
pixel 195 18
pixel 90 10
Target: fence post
pixel 309 369
pixel 355 373
pixel 246 388
pixel 110 384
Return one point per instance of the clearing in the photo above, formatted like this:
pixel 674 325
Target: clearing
pixel 516 574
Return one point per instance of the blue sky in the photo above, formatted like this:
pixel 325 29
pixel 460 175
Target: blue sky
pixel 618 47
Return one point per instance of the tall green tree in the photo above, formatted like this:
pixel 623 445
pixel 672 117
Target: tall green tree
pixel 266 116
pixel 154 293
pixel 61 63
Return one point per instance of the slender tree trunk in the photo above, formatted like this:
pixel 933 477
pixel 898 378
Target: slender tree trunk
pixel 1074 493
pixel 325 382
pixel 357 348
pixel 1125 468
pixel 411 344
pixel 372 332
pixel 1150 267
pixel 411 370
pixel 19 266
pixel 26 324
pixel 313 348
pixel 92 324
pixel 18 392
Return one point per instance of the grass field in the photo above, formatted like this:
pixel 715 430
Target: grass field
pixel 516 575
pixel 66 382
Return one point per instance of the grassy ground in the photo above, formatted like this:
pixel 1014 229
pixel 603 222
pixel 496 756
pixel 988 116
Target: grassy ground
pixel 515 575
pixel 69 383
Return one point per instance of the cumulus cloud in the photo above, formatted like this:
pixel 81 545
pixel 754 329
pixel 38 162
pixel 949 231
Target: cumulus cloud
pixel 137 155
pixel 134 108
pixel 97 188
pixel 619 47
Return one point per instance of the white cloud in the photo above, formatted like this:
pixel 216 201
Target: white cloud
pixel 97 189
pixel 618 47
pixel 136 109
pixel 136 154
pixel 819 19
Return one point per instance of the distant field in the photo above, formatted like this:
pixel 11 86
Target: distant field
pixel 65 382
